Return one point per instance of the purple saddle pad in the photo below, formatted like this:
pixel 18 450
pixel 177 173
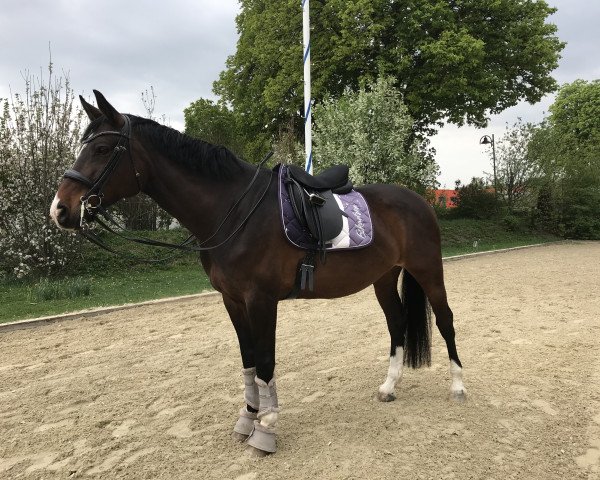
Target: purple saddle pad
pixel 357 231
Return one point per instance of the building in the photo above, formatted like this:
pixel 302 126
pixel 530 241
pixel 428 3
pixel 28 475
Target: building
pixel 445 198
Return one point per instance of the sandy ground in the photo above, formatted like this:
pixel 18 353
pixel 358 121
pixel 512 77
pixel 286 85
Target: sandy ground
pixel 153 392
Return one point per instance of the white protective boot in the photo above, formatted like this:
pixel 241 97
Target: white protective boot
pixel 245 423
pixel 263 435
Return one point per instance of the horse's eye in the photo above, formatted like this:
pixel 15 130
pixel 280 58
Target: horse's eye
pixel 102 149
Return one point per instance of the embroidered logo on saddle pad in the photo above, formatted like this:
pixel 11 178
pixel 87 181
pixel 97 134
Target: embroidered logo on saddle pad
pixel 357 231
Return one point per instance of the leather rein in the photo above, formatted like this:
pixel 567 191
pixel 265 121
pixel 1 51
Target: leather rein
pixel 91 201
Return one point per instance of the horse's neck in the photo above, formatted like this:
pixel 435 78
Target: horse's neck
pixel 199 203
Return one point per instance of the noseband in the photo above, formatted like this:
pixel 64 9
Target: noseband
pixel 92 200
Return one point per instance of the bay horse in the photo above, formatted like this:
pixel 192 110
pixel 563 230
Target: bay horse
pixel 196 182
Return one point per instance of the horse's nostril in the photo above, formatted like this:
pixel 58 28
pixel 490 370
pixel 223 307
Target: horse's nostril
pixel 62 212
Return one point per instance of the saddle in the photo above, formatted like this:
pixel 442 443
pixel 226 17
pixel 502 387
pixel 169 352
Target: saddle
pixel 313 201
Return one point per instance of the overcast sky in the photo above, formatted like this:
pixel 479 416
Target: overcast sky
pixel 179 47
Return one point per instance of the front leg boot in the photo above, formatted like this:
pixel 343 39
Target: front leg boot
pixel 263 437
pixel 245 424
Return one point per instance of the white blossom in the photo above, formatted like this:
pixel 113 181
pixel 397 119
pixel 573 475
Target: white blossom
pixel 39 134
pixel 369 130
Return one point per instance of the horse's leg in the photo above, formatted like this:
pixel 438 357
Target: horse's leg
pixel 431 279
pixel 262 314
pixel 386 290
pixel 245 424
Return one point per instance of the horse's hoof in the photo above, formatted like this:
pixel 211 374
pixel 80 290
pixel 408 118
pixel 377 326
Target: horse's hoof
pixel 459 397
pixel 257 453
pixel 263 438
pixel 239 437
pixel 386 397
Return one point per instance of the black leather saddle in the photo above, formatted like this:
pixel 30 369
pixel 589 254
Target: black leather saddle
pixel 334 178
pixel 313 202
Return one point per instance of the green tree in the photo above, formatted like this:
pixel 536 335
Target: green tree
pixel 368 130
pixel 455 60
pixel 567 149
pixel 575 123
pixel 213 123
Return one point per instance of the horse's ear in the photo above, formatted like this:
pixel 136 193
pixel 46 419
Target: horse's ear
pixel 110 112
pixel 92 112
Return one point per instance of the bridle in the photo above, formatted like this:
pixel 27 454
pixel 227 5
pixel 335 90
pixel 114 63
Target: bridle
pixel 91 201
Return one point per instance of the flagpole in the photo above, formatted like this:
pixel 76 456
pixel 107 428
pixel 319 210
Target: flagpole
pixel 307 94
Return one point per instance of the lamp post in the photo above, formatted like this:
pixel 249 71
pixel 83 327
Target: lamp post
pixel 487 140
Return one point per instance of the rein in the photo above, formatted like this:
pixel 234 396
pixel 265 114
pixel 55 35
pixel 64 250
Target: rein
pixel 92 203
pixel 185 245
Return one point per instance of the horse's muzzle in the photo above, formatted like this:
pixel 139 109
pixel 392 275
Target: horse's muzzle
pixel 64 217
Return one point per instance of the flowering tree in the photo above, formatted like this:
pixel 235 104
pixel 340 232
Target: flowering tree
pixel 372 132
pixel 39 136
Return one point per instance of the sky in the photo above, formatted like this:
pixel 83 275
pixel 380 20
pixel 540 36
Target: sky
pixel 179 47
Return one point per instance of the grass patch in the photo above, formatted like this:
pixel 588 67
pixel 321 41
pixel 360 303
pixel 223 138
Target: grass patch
pixel 122 281
pixel 18 300
pixel 48 289
pixel 470 236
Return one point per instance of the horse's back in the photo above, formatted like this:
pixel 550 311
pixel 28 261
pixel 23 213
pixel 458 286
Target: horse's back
pixel 400 204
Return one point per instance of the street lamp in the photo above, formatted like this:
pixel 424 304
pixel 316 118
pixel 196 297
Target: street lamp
pixel 487 140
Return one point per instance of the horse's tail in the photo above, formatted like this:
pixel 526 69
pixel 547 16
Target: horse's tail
pixel 417 311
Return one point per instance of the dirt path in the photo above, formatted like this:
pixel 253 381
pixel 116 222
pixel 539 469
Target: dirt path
pixel 153 392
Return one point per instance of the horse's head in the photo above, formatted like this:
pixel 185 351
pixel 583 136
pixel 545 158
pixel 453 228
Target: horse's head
pixel 104 171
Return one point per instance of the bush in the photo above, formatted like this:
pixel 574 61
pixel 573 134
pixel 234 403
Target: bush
pixel 475 200
pixel 546 214
pixel 511 223
pixel 514 223
pixel 581 213
pixel 441 211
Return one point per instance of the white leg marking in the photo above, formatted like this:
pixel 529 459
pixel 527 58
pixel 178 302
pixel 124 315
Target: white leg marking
pixel 394 372
pixel 457 386
pixel 54 210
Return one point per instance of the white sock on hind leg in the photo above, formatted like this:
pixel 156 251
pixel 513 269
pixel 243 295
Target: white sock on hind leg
pixel 457 386
pixel 394 372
